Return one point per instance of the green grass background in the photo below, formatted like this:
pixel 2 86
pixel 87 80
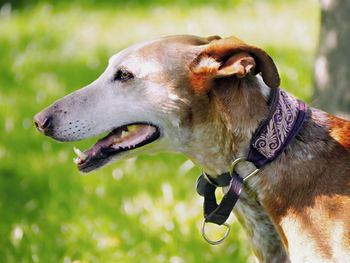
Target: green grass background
pixel 139 210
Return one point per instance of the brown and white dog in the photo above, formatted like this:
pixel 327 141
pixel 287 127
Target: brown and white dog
pixel 204 97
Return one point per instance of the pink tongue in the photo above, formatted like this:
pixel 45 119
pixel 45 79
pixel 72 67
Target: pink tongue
pixel 103 143
pixel 134 137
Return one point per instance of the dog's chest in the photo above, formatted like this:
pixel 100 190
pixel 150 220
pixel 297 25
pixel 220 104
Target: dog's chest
pixel 262 234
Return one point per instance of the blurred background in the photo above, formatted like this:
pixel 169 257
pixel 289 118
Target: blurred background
pixel 140 210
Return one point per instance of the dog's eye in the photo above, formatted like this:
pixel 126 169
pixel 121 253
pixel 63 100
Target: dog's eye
pixel 123 75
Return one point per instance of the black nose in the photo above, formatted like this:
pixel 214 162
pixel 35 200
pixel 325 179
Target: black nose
pixel 43 122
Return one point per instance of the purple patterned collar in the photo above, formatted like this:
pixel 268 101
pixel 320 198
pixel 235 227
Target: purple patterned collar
pixel 287 116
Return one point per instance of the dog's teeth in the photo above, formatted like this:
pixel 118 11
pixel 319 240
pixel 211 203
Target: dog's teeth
pixel 124 133
pixel 76 160
pixel 76 150
pixel 81 155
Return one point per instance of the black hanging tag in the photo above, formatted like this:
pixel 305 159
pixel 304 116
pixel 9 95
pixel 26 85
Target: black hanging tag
pixel 201 184
pixel 218 213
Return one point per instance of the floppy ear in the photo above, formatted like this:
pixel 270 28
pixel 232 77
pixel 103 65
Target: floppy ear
pixel 231 57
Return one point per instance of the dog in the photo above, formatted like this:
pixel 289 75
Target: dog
pixel 205 98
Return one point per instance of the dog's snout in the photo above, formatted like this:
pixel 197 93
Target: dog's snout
pixel 43 122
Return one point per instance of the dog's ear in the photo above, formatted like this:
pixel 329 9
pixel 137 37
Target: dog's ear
pixel 231 57
pixel 214 37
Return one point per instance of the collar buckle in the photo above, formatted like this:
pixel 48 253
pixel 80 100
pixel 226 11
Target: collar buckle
pixel 238 160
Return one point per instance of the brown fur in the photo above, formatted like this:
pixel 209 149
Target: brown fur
pixel 316 195
pixel 340 130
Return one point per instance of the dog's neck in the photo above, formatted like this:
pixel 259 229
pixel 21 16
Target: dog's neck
pixel 225 128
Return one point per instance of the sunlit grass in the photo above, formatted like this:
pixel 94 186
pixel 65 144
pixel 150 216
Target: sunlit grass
pixel 140 210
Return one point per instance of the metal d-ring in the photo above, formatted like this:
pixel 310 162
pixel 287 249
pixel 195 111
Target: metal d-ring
pixel 218 241
pixel 238 160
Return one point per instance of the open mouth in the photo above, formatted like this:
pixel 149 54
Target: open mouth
pixel 119 140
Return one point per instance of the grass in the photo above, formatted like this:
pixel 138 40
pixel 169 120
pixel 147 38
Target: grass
pixel 139 210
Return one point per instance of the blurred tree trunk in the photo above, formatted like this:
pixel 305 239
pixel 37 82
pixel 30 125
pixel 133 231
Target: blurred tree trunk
pixel 332 67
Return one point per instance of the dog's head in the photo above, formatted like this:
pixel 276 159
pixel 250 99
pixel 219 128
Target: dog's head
pixel 150 97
